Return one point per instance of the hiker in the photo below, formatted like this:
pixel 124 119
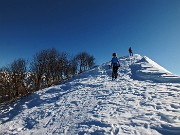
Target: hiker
pixel 115 65
pixel 130 52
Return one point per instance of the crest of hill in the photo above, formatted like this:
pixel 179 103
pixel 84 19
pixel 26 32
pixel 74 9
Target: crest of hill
pixel 140 68
pixel 143 68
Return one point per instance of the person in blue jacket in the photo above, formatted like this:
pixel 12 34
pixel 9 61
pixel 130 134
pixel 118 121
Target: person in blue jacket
pixel 115 65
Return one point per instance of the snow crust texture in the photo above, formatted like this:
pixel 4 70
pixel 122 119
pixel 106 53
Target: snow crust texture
pixel 93 104
pixel 147 69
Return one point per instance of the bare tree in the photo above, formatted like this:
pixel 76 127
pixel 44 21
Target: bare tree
pixel 12 80
pixel 37 68
pixel 5 85
pixel 51 61
pixel 18 74
pixel 54 66
pixel 84 61
pixel 62 66
pixel 91 62
pixel 73 67
pixel 48 67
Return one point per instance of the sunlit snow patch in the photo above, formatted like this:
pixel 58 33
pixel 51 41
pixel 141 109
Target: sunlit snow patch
pixel 147 69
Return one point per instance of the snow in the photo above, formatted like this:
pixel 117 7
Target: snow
pixel 146 69
pixel 92 104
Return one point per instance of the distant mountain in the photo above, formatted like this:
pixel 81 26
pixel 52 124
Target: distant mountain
pixel 141 101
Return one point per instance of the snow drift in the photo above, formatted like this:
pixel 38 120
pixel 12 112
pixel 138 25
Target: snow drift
pixel 93 104
pixel 147 69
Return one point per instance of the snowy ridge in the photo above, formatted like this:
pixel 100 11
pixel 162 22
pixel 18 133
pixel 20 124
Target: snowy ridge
pixel 155 65
pixel 147 69
pixel 92 104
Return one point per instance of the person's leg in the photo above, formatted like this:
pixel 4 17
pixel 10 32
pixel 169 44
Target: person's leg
pixel 116 74
pixel 113 73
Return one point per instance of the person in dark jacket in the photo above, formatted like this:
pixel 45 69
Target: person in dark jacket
pixel 115 65
pixel 130 51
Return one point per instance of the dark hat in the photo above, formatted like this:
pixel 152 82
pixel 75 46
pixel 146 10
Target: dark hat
pixel 114 54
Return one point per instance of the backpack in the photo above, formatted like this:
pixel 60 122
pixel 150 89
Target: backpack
pixel 115 62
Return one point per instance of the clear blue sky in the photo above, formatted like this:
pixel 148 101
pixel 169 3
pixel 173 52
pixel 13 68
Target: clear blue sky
pixel 100 27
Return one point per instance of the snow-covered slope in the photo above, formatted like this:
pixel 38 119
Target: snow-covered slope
pixel 93 104
pixel 147 69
